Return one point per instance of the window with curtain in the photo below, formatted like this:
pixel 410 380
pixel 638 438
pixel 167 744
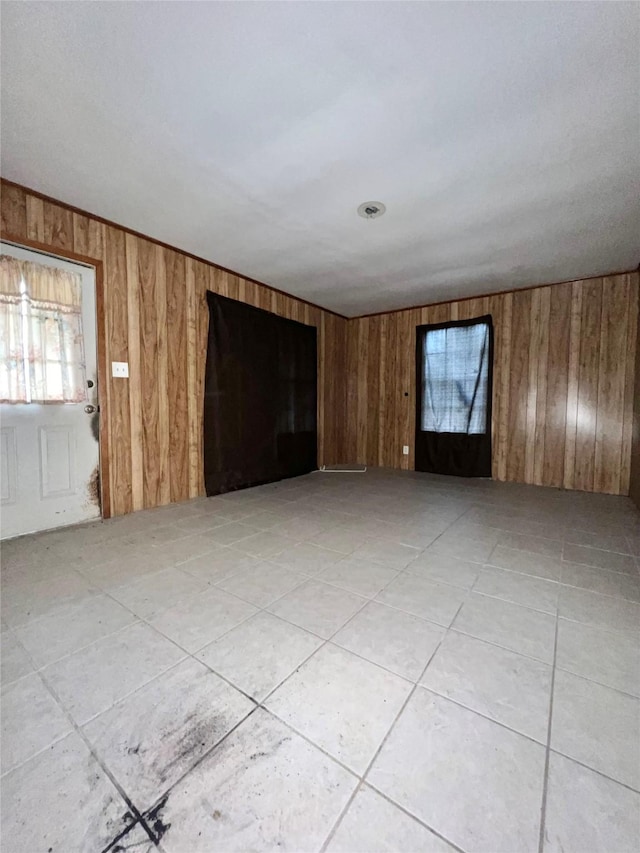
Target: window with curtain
pixel 41 341
pixel 455 379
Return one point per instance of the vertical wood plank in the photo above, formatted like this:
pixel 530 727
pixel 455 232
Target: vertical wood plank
pixel 106 504
pixel 328 365
pixel 88 236
pixel 382 390
pixel 389 457
pixel 340 414
pixel 58 226
pixel 177 376
pixel 322 459
pixel 557 378
pixel 373 391
pixel 503 358
pixel 364 427
pixel 414 322
pixel 532 387
pixel 162 345
pixel 149 372
pixel 631 381
pixel 351 403
pixel 118 348
pixel 541 398
pixel 219 282
pixel 233 286
pixel 494 308
pixel 192 381
pixel 135 377
pixel 404 391
pixel 614 335
pixel 518 381
pixel 35 219
pixel 13 211
pixel 573 385
pixel 204 275
pixel 588 385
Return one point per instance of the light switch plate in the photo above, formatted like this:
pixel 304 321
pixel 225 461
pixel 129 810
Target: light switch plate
pixel 405 450
pixel 120 369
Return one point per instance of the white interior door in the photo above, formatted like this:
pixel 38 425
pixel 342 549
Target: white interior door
pixel 50 452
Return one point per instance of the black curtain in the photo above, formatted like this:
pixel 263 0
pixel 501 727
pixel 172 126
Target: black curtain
pixel 259 397
pixel 454 369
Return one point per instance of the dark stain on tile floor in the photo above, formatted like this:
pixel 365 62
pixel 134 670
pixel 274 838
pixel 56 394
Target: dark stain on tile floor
pixel 119 841
pixel 187 744
pixel 154 820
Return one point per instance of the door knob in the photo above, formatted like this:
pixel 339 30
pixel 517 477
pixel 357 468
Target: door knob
pixel 90 409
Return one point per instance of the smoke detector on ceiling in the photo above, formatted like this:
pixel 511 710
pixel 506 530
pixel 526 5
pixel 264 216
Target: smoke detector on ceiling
pixel 371 209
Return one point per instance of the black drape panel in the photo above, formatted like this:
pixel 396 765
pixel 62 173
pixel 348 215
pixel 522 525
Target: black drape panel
pixel 259 397
pixel 454 370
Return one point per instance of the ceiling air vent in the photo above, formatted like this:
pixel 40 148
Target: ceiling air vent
pixel 371 209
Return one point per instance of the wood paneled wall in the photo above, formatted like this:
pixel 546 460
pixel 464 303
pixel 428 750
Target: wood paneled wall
pixel 563 383
pixel 156 318
pixel 564 367
pixel 634 479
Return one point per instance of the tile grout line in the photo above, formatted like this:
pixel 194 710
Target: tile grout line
pixel 374 599
pixel 106 636
pixel 259 706
pixel 141 620
pixel 38 752
pixel 145 621
pixel 77 729
pixel 595 770
pixel 366 601
pixel 341 815
pixel 545 778
pixel 354 615
pixel 391 727
pixel 361 778
pixel 271 559
pixel 324 643
pixel 166 791
pixel 416 683
pixel 482 714
pixel 410 814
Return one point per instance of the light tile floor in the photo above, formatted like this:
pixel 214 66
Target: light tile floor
pixel 372 662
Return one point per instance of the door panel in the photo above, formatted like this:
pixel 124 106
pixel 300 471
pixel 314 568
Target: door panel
pixel 57 460
pixel 454 370
pixel 49 452
pixel 9 462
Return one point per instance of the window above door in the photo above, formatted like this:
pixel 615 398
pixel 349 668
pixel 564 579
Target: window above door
pixel 41 335
pixel 455 379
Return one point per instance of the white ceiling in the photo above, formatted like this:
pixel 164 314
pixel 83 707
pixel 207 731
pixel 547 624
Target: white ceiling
pixel 504 138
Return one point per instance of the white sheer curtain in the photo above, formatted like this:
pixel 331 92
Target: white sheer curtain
pixel 41 342
pixel 13 386
pixel 455 379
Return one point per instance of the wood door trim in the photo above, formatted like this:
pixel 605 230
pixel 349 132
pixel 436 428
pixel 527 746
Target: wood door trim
pixel 101 347
pixel 141 236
